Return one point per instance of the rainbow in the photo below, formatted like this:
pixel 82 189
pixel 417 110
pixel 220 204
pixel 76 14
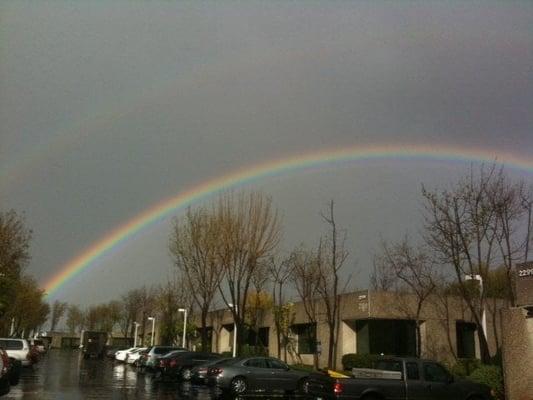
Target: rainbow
pixel 248 174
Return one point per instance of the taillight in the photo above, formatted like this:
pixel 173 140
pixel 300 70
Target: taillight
pixel 215 371
pixel 173 363
pixel 5 360
pixel 338 388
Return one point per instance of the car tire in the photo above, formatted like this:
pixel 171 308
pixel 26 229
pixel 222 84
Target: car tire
pixel 302 386
pixel 371 397
pixel 238 386
pixel 186 374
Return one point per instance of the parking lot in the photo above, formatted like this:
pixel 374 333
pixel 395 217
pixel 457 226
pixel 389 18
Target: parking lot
pixel 64 375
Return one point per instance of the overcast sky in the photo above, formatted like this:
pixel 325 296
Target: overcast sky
pixel 108 107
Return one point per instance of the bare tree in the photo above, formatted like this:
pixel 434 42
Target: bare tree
pixel 460 229
pixel 280 272
pixel 58 311
pixel 415 273
pixel 194 249
pixel 145 308
pixel 75 319
pixel 306 279
pixel 512 206
pixel 331 256
pixel 129 306
pixel 248 231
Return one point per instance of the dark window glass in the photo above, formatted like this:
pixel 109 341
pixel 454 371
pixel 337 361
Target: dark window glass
pixel 412 371
pixel 276 364
pixel 466 342
pixel 13 345
pixel 390 337
pixel 256 363
pixel 306 338
pixel 435 373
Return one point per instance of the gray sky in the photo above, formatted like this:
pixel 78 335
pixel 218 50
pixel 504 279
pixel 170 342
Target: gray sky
pixel 108 107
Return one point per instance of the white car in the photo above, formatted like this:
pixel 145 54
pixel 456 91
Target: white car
pixel 19 349
pixel 122 355
pixel 135 355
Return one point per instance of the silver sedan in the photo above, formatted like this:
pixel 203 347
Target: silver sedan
pixel 256 374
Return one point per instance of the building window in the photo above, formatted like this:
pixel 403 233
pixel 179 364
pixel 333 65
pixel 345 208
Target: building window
pixel 466 342
pixel 306 338
pixel 392 337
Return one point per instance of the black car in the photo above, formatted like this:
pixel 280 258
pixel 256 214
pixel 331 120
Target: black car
pixel 180 364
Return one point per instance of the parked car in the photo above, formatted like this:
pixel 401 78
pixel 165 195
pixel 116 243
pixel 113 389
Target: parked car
pixel 199 373
pixel 122 354
pixel 151 359
pixel 397 378
pixel 131 358
pixel 18 349
pixel 39 345
pixel 179 364
pixel 110 352
pixel 256 374
pixel 5 384
pixel 14 367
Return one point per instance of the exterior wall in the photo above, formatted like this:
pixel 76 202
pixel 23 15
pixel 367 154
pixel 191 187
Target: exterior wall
pixel 436 343
pixel 517 354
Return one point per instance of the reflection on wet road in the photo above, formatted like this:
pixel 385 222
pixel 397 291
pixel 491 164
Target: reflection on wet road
pixel 65 375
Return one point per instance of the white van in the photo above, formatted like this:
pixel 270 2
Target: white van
pixel 19 349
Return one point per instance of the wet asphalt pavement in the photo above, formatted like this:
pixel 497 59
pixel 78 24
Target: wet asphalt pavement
pixel 64 375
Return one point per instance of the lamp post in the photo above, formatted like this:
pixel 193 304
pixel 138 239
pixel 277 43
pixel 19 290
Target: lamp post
pixel 153 329
pixel 234 330
pixel 135 334
pixel 184 311
pixel 476 277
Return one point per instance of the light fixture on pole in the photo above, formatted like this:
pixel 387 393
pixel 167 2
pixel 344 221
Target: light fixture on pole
pixel 483 315
pixel 184 311
pixel 234 330
pixel 153 329
pixel 135 334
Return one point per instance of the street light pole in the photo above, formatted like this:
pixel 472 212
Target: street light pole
pixel 483 314
pixel 234 330
pixel 184 311
pixel 153 329
pixel 135 334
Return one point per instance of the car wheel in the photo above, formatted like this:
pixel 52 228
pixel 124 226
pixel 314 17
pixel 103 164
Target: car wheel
pixel 238 385
pixel 186 374
pixel 14 379
pixel 303 385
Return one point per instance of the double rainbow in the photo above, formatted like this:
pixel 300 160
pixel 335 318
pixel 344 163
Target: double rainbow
pixel 252 173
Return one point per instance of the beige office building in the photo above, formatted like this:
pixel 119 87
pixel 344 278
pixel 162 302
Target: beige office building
pixel 373 322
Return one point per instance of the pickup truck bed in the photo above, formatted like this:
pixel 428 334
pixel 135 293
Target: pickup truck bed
pixel 396 379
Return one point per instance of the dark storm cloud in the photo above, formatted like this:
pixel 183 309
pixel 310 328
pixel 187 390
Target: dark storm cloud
pixel 112 106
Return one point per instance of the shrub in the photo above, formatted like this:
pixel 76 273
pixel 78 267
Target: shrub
pixel 352 360
pixel 303 367
pixel 490 375
pixel 226 354
pixel 465 367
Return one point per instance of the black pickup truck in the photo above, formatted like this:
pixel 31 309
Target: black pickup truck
pixel 396 379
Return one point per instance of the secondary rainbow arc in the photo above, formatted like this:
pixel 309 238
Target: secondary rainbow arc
pixel 270 168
